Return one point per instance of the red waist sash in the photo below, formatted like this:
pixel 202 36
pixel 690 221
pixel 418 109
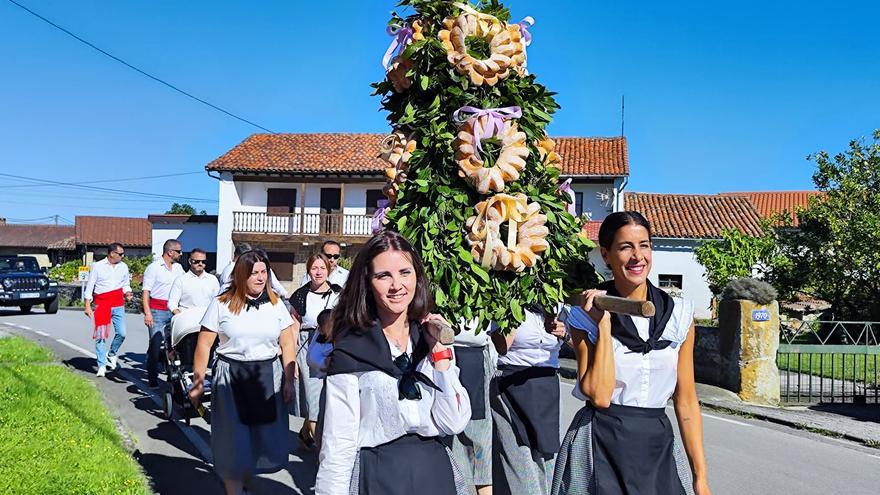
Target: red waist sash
pixel 159 304
pixel 104 304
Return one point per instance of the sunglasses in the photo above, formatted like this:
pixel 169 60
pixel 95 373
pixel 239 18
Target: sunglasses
pixel 407 387
pixel 332 256
pixel 178 251
pixel 121 255
pixel 197 262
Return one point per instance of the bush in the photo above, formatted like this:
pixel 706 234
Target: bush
pixel 66 272
pixel 751 289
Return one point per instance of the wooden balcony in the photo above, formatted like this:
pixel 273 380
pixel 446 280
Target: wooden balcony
pixel 303 225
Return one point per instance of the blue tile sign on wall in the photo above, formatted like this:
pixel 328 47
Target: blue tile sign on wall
pixel 760 315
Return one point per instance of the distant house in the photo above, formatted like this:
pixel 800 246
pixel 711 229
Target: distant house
pixel 679 222
pixel 50 244
pixel 289 192
pixel 193 231
pixel 93 234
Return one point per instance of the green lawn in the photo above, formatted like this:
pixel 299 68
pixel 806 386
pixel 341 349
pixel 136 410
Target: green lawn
pixel 56 435
pixel 823 367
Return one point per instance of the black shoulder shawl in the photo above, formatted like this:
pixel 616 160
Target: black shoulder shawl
pixel 624 330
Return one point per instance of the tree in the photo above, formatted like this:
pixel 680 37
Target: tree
pixel 183 209
pixel 735 255
pixel 833 252
pixel 473 177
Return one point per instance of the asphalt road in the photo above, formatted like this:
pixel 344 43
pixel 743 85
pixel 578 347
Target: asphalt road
pixel 745 456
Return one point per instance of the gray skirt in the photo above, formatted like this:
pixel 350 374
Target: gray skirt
pixel 241 451
pixel 472 448
pixel 516 469
pixel 574 466
pixel 308 388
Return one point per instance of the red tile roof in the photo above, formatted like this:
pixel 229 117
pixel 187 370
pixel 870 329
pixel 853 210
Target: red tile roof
pixel 133 232
pixel 592 230
pixel 33 236
pixel 694 216
pixel 770 203
pixel 347 153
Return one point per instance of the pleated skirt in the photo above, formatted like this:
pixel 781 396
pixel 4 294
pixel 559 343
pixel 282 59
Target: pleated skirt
pixel 308 388
pixel 576 465
pixel 472 448
pixel 241 451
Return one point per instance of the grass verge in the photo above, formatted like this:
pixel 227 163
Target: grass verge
pixel 56 435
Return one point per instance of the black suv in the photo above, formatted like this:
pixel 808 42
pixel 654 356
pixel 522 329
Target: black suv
pixel 24 284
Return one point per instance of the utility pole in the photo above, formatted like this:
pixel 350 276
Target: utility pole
pixel 56 219
pixel 622 114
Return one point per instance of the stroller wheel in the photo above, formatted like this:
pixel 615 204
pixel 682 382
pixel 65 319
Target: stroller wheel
pixel 167 405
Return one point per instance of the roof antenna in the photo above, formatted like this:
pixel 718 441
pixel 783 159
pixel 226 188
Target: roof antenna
pixel 622 113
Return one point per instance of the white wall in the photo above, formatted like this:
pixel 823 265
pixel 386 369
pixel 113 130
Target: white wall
pixel 676 257
pixel 190 235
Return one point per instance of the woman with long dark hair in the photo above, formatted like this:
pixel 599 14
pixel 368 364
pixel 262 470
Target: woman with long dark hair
pixel 392 389
pixel 249 421
pixel 622 442
pixel 306 304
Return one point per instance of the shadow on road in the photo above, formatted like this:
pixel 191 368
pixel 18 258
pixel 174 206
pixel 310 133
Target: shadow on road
pixel 867 413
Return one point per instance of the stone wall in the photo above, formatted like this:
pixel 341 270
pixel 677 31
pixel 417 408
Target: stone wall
pixel 740 354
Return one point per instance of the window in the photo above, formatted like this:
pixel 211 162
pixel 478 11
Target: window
pixel 373 197
pixel 281 201
pixel 578 203
pixel 668 282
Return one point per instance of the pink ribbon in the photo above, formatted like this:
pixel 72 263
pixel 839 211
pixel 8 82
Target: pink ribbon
pixel 524 26
pixel 402 36
pixel 494 123
pixel 379 217
pixel 566 189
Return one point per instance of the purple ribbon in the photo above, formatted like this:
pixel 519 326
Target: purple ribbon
pixel 494 123
pixel 566 189
pixel 379 216
pixel 402 36
pixel 524 26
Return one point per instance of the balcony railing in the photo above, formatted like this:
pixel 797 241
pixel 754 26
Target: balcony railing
pixel 317 224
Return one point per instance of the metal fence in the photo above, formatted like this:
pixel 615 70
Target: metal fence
pixel 830 362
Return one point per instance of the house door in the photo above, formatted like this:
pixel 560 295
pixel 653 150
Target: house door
pixel 331 210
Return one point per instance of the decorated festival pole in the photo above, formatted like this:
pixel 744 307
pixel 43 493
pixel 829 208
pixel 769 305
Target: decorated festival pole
pixel 473 177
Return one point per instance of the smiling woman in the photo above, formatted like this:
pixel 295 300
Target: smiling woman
pixel 392 388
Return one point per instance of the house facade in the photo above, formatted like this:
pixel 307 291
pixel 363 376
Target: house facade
pixel 287 193
pixel 49 244
pixel 94 233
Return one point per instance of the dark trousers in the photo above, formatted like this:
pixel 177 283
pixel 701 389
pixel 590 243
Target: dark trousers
pixel 154 350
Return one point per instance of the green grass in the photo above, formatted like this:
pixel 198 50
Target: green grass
pixel 56 435
pixel 857 361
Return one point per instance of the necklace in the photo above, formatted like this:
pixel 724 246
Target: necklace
pixel 395 342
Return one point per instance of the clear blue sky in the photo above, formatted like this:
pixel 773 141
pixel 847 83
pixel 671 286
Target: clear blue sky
pixel 719 97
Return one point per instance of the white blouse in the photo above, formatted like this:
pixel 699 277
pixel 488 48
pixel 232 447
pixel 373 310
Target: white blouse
pixel 362 410
pixel 250 335
pixel 532 345
pixel 643 380
pixel 315 304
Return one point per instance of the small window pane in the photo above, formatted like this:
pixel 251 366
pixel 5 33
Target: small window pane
pixel 373 197
pixel 579 203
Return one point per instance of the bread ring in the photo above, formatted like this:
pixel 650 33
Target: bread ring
pixel 526 235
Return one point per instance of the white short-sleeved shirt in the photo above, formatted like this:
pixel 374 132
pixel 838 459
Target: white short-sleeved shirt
pixel 315 304
pixel 532 345
pixel 158 278
pixel 191 291
pixel 250 335
pixel 644 380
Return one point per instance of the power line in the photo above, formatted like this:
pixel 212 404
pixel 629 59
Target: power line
pixel 96 188
pixel 130 66
pixel 130 179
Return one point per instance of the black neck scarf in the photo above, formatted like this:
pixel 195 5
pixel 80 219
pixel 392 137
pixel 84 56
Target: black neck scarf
pixel 624 330
pixel 256 302
pixel 367 350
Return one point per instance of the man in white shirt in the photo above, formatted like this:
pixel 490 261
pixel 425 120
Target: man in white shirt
pixel 338 275
pixel 109 285
pixel 158 278
pixel 226 274
pixel 196 288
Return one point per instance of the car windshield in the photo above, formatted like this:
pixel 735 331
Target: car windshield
pixel 8 265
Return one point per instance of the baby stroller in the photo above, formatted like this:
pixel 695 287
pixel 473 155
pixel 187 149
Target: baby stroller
pixel 180 353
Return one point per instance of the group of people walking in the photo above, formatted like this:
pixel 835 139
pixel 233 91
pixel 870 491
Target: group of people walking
pixel 392 410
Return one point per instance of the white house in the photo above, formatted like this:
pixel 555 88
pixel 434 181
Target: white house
pixel 289 192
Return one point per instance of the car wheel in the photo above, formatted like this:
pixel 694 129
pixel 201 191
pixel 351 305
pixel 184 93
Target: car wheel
pixel 26 309
pixel 167 405
pixel 51 306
